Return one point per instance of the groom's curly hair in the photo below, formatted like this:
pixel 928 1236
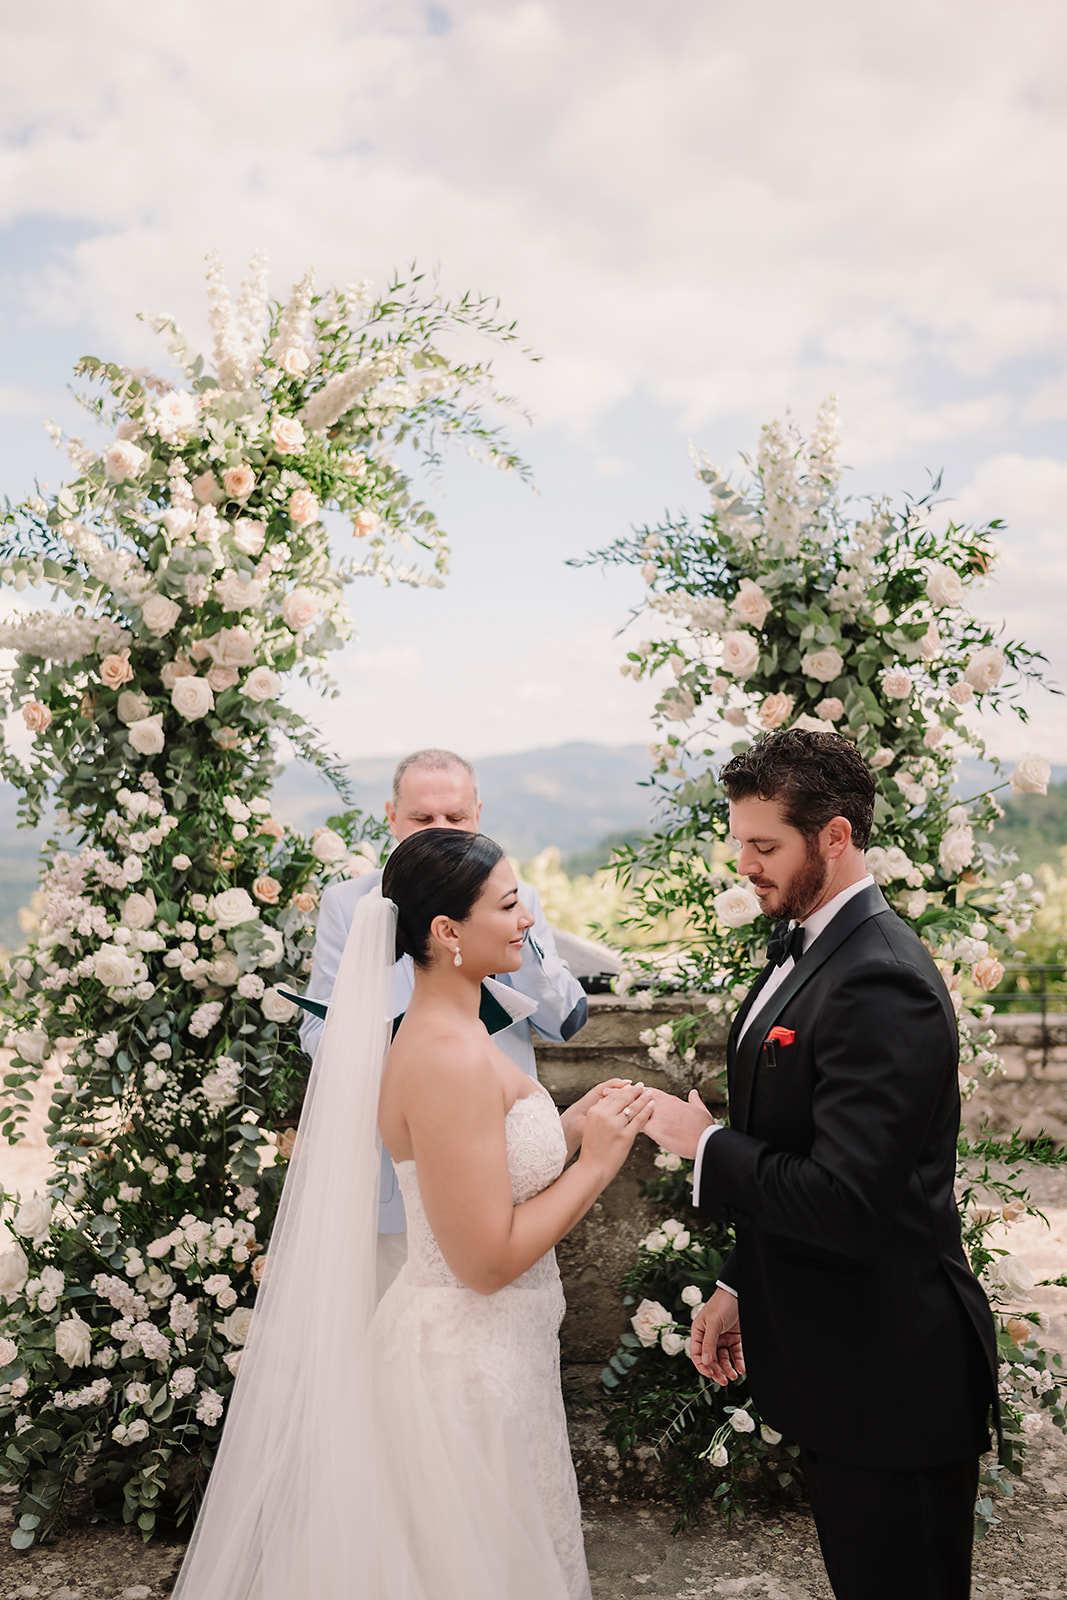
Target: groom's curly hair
pixel 815 776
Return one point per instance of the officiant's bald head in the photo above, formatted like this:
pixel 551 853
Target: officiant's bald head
pixel 433 789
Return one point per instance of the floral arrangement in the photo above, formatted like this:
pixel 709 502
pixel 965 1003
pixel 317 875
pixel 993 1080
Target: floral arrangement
pixel 781 609
pixel 190 571
pixel 785 607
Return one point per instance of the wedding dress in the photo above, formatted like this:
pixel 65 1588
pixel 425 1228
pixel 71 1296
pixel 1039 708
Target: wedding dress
pixel 474 1437
pixel 417 1451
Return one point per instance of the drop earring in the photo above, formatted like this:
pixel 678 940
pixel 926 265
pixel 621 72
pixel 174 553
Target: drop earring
pixel 457 959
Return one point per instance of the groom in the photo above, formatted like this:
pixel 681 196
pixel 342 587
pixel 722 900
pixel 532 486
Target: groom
pixel 867 1338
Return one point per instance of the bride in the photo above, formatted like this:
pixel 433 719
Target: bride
pixel 419 1451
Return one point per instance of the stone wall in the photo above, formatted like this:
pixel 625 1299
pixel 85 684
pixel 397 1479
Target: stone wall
pixel 1031 1095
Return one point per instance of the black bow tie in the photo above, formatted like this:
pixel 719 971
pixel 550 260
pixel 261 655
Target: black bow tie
pixel 785 942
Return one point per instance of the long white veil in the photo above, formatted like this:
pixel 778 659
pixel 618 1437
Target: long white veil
pixel 291 1508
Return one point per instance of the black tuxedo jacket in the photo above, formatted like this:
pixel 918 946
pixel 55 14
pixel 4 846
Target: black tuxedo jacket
pixel 866 1335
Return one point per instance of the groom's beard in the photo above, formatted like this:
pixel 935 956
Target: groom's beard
pixel 804 889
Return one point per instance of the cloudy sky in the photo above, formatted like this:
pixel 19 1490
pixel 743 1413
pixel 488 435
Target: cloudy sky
pixel 700 214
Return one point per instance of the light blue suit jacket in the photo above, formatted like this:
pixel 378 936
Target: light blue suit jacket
pixel 545 994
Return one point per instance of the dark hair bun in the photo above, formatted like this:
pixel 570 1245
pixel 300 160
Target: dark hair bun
pixel 436 872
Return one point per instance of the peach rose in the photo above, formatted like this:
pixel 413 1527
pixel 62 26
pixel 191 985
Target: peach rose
pixel 776 709
pixel 114 671
pixel 750 604
pixel 89 703
pixel 271 828
pixel 239 481
pixel 305 901
pixel 36 716
pixel 227 739
pixel 364 522
pixel 267 890
pixel 987 973
pixel 830 709
pixel 287 435
pixel 961 692
pixel 896 683
pixel 303 507
pixel 258 1266
pixel 286 1143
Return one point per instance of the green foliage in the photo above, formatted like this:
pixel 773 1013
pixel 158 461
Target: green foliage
pixel 190 572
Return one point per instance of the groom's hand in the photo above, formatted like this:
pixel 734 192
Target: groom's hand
pixel 716 1350
pixel 677 1125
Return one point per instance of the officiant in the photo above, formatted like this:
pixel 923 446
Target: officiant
pixel 439 789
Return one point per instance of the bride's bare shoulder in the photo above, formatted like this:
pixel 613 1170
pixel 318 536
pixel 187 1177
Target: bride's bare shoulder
pixel 428 1058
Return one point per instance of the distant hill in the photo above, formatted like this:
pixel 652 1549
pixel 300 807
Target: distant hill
pixel 580 797
pixel 573 796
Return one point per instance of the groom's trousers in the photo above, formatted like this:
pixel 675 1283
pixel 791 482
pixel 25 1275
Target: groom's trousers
pixel 888 1534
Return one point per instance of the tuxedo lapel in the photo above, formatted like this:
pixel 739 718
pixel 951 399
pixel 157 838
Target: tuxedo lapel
pixel 869 903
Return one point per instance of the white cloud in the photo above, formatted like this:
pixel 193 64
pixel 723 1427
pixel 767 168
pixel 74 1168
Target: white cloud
pixel 706 204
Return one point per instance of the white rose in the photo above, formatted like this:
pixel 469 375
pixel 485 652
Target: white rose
pixel 1011 1275
pixel 737 907
pixel 132 706
pixel 809 724
pixel 33 1219
pixel 1030 775
pixel 137 1394
pixel 31 1046
pixel 681 1240
pixel 896 683
pixel 8 1352
pixel 914 903
pixel 14 1270
pixel 276 1008
pixel 74 1341
pixel 985 669
pixel 231 647
pixel 648 1320
pixel 897 864
pixel 769 1435
pixel 300 609
pixel 742 1422
pixel 288 435
pixel 232 907
pixel 146 736
pixel 957 849
pixel 139 910
pixel 943 586
pixel 881 758
pixel 249 535
pixel 720 1456
pixel 137 1431
pixel 672 1344
pixel 236 1325
pixel 224 969
pixel 823 665
pixel 273 948
pixel 327 846
pixel 751 604
pixel 159 614
pixel 179 523
pixel 262 684
pixel 692 1296
pixel 875 861
pixel 234 593
pixel 657 1240
pixel 740 653
pixel 113 967
pixel 192 698
pixel 124 460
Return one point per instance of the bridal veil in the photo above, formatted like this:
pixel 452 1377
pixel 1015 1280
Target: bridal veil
pixel 292 1507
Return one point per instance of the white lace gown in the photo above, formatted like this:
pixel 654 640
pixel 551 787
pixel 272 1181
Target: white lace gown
pixel 477 1467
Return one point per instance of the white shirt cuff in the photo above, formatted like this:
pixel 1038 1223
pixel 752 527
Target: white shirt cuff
pixel 699 1157
pixel 728 1287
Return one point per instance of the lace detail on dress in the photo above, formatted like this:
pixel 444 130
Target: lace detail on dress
pixel 537 1154
pixel 468 1391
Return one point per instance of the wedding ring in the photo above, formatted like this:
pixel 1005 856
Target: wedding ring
pixel 627 1111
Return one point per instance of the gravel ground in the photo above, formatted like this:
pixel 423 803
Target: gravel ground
pixel 630 1547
